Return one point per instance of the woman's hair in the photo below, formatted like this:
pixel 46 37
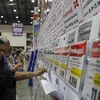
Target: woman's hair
pixel 1 42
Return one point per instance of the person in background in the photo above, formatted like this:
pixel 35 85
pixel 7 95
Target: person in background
pixel 13 52
pixel 19 58
pixel 9 77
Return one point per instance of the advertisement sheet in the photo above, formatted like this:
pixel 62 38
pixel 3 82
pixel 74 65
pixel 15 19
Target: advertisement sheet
pixel 84 31
pixel 90 7
pixel 64 60
pixel 72 15
pixel 91 89
pixel 75 65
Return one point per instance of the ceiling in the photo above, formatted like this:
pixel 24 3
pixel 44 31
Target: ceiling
pixel 23 11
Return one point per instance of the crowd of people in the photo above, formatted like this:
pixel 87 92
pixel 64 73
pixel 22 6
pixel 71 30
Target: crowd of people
pixel 11 70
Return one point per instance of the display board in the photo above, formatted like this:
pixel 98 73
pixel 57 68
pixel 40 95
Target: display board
pixel 73 67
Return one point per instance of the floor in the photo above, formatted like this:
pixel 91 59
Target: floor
pixel 23 90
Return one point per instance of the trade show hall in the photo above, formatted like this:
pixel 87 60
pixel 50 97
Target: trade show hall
pixel 49 49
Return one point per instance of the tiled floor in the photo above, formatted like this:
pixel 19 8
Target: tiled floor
pixel 23 90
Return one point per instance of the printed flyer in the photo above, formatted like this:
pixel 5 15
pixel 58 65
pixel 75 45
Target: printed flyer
pixel 91 89
pixel 75 64
pixel 57 50
pixel 84 31
pixel 72 15
pixel 64 54
pixel 90 8
pixel 69 94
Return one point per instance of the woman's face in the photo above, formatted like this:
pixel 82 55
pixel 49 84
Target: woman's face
pixel 8 53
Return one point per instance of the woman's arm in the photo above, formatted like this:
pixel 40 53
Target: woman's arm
pixel 26 75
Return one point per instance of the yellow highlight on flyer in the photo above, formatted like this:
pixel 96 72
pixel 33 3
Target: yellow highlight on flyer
pixel 76 72
pixel 63 66
pixel 96 80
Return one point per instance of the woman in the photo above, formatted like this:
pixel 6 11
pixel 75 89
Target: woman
pixel 8 78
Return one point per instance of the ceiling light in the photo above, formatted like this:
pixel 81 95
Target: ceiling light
pixel 11 0
pixel 18 21
pixel 32 11
pixel 45 0
pixel 5 21
pixel 48 10
pixel 1 16
pixel 50 0
pixel 31 17
pixel 33 1
pixel 11 4
pixel 16 16
pixel 14 10
pixel 30 22
pixel 38 10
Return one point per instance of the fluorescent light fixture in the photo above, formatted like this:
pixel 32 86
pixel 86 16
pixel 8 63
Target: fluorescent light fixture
pixel 11 0
pixel 14 10
pixel 38 10
pixel 11 4
pixel 17 17
pixel 18 21
pixel 1 16
pixel 32 1
pixel 31 17
pixel 30 22
pixel 32 11
pixel 5 21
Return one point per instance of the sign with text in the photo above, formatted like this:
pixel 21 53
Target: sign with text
pixel 72 15
pixel 91 89
pixel 75 65
pixel 90 7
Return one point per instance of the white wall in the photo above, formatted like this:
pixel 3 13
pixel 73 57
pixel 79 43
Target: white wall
pixel 6 30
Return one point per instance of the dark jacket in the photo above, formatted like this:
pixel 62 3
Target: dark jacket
pixel 7 83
